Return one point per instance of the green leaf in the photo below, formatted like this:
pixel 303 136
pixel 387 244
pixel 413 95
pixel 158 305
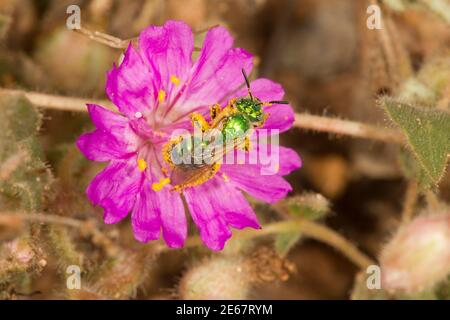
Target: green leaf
pixel 428 135
pixel 412 170
pixel 285 241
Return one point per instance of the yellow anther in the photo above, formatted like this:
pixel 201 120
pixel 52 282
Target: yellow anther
pixel 142 164
pixel 199 121
pixel 174 80
pixel 162 182
pixel 161 96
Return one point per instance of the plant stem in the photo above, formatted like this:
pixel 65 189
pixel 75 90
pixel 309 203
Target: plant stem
pixel 6 217
pixel 57 102
pixel 302 120
pixel 308 228
pixel 410 201
pixel 348 128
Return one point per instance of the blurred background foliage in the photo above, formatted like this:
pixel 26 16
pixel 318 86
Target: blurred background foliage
pixel 330 64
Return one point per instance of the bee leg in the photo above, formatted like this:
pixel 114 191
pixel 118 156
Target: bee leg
pixel 225 112
pixel 199 121
pixel 247 144
pixel 214 111
pixel 167 149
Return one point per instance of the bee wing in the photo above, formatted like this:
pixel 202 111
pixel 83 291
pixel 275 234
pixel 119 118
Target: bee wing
pixel 221 152
pixel 183 176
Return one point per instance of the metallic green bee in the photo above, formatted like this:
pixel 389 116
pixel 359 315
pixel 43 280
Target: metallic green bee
pixel 233 124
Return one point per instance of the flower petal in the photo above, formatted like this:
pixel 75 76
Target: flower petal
pixel 268 188
pixel 145 217
pixel 217 72
pixel 281 117
pixel 115 189
pixel 234 207
pixel 213 226
pixel 289 161
pixel 133 86
pixel 173 217
pixel 113 139
pixel 169 50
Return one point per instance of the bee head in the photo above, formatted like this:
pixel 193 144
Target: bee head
pixel 251 109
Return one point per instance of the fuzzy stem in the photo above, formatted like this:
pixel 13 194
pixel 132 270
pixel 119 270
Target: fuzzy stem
pixel 104 38
pixel 56 102
pixel 302 120
pixel 409 201
pixel 348 128
pixel 432 200
pixel 309 228
pixel 44 218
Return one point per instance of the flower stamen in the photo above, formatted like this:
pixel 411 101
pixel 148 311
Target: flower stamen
pixel 159 185
pixel 161 96
pixel 142 164
pixel 175 80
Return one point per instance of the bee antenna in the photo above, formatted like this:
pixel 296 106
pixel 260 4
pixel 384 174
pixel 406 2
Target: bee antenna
pixel 278 102
pixel 247 83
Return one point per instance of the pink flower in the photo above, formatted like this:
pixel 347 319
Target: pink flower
pixel 156 88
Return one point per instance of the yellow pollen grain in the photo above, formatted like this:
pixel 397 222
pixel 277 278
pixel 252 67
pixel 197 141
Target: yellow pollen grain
pixel 174 80
pixel 277 168
pixel 225 177
pixel 161 96
pixel 162 182
pixel 142 164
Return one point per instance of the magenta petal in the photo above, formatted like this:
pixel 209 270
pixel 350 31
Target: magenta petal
pixel 234 207
pixel 281 117
pixel 113 138
pixel 173 217
pixel 268 188
pixel 289 161
pixel 169 49
pixel 115 189
pixel 145 217
pixel 217 73
pixel 264 89
pixel 226 78
pixel 213 226
pixel 105 119
pixel 133 86
pixel 154 210
pixel 218 42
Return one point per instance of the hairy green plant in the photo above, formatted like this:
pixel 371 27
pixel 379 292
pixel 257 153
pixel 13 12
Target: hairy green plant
pixel 428 136
pixel 310 206
pixel 24 177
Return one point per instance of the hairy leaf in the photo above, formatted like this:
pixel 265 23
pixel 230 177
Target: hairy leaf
pixel 427 132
